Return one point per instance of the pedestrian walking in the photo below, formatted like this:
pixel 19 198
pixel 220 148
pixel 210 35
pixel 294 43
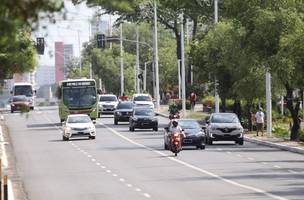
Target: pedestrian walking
pixel 193 100
pixel 260 118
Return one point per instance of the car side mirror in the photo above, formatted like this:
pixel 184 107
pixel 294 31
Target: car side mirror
pixel 203 127
pixel 208 121
pixel 166 129
pixel 156 114
pixel 94 121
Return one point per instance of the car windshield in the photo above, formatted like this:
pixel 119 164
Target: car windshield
pixel 142 98
pixel 79 119
pixel 144 112
pixel 224 118
pixel 188 124
pixel 125 106
pixel 19 98
pixel 108 98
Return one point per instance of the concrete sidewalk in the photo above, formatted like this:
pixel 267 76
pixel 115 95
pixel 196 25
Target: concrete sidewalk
pixel 280 143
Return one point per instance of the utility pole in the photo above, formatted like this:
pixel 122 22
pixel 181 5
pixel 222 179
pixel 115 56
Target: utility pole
pixel 217 99
pixel 145 77
pixel 156 56
pixel 183 67
pixel 80 62
pixel 137 62
pixel 121 64
pixel 268 103
pixel 179 78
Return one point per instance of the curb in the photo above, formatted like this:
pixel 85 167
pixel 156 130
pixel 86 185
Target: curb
pixel 261 142
pixel 274 145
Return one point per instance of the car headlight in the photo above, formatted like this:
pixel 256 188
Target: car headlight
pixel 91 128
pixel 135 118
pixel 118 113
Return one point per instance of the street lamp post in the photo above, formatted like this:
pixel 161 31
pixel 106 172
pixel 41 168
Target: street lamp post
pixel 156 56
pixel 217 100
pixel 121 64
pixel 183 68
pixel 137 85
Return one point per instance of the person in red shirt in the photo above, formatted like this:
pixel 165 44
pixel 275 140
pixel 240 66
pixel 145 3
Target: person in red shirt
pixel 124 97
pixel 193 100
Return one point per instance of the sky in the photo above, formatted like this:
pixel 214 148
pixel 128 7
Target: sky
pixel 67 31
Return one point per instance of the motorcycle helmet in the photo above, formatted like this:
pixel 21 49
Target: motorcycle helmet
pixel 174 123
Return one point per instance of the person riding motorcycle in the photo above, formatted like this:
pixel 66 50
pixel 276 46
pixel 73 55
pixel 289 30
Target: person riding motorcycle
pixel 176 128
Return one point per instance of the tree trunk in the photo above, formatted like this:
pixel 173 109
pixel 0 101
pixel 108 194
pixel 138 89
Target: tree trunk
pixel 223 107
pixel 249 114
pixel 294 108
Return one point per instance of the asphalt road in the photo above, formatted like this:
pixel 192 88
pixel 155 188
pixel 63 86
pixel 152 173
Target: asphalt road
pixel 120 164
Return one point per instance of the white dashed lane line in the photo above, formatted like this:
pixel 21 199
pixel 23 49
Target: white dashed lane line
pixel 122 180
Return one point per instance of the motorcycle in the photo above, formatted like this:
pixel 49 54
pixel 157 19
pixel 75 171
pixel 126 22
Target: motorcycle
pixel 176 143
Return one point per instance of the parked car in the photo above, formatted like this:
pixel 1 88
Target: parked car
pixel 78 125
pixel 224 127
pixel 143 100
pixel 20 103
pixel 123 112
pixel 194 134
pixel 143 118
pixel 107 103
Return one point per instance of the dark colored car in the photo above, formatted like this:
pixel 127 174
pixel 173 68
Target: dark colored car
pixel 143 118
pixel 224 127
pixel 194 134
pixel 123 111
pixel 19 102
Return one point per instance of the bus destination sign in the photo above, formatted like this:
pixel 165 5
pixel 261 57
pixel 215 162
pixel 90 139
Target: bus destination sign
pixel 78 83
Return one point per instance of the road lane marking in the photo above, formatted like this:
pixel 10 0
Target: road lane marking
pixel 103 167
pixel 137 189
pixel 251 188
pixel 293 172
pixel 276 166
pixel 249 158
pixel 129 185
pixel 115 175
pixel 98 164
pixel 147 195
pixel 264 163
pixel 239 155
pixel 89 156
pixel 229 152
pixel 93 160
pixel 122 180
pixel 108 171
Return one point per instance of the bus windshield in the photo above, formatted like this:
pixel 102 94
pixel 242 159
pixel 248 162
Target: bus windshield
pixel 23 90
pixel 79 96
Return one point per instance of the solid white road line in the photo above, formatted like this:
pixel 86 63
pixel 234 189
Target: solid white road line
pixel 254 189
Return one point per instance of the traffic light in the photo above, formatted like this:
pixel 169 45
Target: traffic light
pixel 101 41
pixel 40 45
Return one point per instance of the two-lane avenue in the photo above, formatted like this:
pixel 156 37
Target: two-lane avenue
pixel 120 164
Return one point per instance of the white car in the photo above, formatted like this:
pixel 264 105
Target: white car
pixel 143 100
pixel 78 125
pixel 107 103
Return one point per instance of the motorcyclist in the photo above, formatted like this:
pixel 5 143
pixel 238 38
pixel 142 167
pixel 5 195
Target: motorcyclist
pixel 176 128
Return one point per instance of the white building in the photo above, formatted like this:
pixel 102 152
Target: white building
pixel 100 26
pixel 45 75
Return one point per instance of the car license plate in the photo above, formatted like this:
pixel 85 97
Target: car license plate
pixel 187 140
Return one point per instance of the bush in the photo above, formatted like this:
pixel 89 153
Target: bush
pixel 279 131
pixel 173 108
pixel 208 101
